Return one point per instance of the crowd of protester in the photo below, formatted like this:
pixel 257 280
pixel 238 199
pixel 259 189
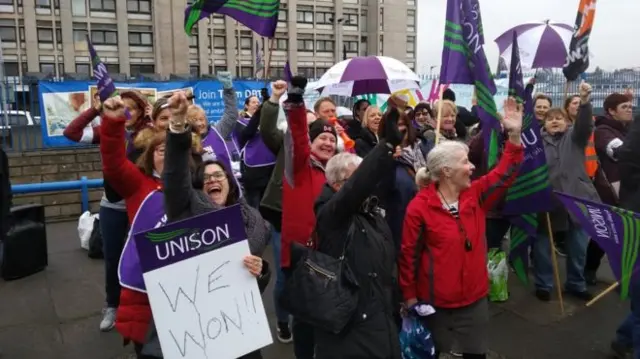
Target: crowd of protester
pixel 410 213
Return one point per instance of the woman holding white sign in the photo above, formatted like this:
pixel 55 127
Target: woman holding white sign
pixel 214 189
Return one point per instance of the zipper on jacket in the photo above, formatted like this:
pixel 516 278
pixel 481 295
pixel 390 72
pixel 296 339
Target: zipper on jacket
pixel 317 269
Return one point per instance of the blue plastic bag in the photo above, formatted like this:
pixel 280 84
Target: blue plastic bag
pixel 415 338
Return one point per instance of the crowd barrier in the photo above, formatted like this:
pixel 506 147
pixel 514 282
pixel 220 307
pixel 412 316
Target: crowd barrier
pixel 83 185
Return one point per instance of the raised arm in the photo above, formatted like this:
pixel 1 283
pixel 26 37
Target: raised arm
pixel 297 120
pixel 179 195
pixel 123 176
pixel 273 138
pixel 490 188
pixel 79 130
pixel 250 130
pixel 583 127
pixel 230 116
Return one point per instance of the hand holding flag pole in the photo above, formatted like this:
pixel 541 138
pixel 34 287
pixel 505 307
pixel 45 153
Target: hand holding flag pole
pixel 439 118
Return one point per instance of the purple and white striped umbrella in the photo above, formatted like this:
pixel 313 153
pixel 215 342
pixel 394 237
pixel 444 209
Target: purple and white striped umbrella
pixel 542 44
pixel 365 75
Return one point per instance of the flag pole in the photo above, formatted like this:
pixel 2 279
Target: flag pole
pixel 439 117
pixel 609 289
pixel 554 261
pixel 267 68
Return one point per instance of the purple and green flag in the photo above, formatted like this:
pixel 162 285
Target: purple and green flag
pixel 106 87
pixel 617 232
pixel 464 62
pixel 261 16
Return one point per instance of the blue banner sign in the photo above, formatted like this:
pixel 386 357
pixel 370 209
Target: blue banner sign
pixel 61 102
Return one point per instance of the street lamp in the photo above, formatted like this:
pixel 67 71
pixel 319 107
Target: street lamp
pixel 339 22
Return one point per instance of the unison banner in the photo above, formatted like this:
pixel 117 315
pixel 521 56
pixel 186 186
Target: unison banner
pixel 617 232
pixel 61 102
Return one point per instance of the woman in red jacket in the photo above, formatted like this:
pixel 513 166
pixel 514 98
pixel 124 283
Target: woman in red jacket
pixel 443 254
pixel 113 215
pixel 134 182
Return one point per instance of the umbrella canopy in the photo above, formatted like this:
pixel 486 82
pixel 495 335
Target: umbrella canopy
pixel 542 44
pixel 365 75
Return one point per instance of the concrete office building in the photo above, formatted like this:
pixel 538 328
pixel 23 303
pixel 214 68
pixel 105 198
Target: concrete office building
pixel 147 36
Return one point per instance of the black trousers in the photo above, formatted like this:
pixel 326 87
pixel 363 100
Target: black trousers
pixel 594 257
pixel 138 349
pixel 468 356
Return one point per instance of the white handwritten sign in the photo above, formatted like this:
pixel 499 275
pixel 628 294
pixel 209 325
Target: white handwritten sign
pixel 205 303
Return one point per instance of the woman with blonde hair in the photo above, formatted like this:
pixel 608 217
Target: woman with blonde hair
pixel 369 135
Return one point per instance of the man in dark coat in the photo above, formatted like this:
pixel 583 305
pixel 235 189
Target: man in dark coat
pixel 349 223
pixel 628 334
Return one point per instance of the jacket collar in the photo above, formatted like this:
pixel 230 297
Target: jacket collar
pixel 610 122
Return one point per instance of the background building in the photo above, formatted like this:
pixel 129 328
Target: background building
pixel 147 36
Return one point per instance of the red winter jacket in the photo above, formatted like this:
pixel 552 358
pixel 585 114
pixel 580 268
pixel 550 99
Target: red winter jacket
pixel 298 217
pixel 433 245
pixel 134 313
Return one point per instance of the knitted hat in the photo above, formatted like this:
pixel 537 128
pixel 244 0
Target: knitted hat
pixel 321 126
pixel 612 101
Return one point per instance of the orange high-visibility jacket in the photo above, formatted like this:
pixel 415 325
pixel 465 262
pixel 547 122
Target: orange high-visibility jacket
pixel 591 158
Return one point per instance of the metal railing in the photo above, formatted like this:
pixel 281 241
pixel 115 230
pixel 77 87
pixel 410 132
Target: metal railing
pixel 83 185
pixel 21 94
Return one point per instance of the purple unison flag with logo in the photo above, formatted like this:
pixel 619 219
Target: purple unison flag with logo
pixel 455 67
pixel 261 16
pixel 531 191
pixel 189 238
pixel 617 232
pixel 106 87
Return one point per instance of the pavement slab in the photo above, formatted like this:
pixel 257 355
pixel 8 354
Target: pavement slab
pixel 55 315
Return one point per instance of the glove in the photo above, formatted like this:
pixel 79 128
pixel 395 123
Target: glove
pixel 265 94
pixel 226 79
pixel 296 90
pixel 391 133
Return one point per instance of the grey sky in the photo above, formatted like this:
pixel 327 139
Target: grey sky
pixel 612 42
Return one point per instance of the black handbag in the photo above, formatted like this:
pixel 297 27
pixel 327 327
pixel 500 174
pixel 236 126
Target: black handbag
pixel 95 241
pixel 322 290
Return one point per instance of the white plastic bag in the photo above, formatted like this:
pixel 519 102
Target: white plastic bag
pixel 85 227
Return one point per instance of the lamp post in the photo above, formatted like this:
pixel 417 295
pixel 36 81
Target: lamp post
pixel 338 29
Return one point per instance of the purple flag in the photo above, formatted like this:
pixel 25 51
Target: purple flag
pixel 617 232
pixel 455 62
pixel 106 87
pixel 531 191
pixel 476 17
pixel 287 72
pixel 182 240
pixel 261 16
pixel 201 9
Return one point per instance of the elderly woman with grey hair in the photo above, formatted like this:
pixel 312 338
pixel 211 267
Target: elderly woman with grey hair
pixel 443 253
pixel 350 224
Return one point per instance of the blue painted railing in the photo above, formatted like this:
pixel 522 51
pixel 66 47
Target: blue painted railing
pixel 83 185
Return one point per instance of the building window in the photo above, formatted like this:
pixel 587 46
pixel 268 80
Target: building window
pixel 139 6
pixel 324 18
pixel 282 44
pixel 104 37
pixel 8 34
pixel 113 68
pixel 324 45
pixel 6 2
pixel 351 19
pixel 381 18
pixel 140 39
pixel 307 72
pixel 352 46
pixel 321 71
pixel 282 15
pixel 245 71
pixel 78 8
pixel 193 41
pixel 276 72
pixel 363 46
pixel 411 44
pixel 137 69
pixel 79 35
pixel 46 4
pixel 411 20
pixel 363 21
pixel 305 45
pixel 245 43
pixel 219 42
pixel 11 69
pixel 102 5
pixel 49 68
pixel 45 35
pixel 83 69
pixel 194 70
pixel 305 17
pixel 381 50
pixel 219 69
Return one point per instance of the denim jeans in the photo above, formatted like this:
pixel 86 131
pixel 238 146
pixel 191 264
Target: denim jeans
pixel 496 229
pixel 628 332
pixel 113 228
pixel 281 314
pixel 253 197
pixel 576 242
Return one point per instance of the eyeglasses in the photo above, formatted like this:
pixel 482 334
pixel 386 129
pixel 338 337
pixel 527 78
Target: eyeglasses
pixel 215 176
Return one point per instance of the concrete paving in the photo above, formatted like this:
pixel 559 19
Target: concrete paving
pixel 55 315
